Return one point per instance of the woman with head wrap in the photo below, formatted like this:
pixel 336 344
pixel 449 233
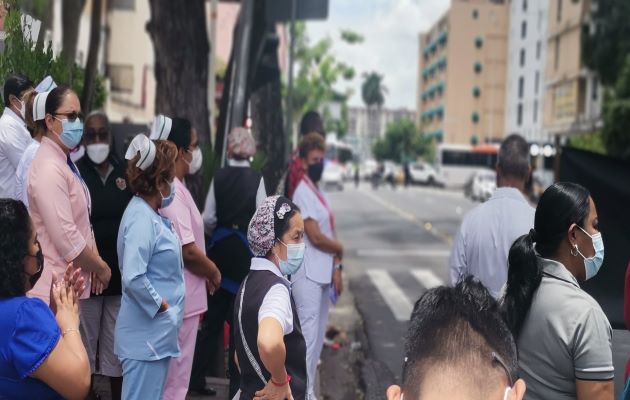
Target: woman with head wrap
pixel 150 260
pixel 270 347
pixel 234 195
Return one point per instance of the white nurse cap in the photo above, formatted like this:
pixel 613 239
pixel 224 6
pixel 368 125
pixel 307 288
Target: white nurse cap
pixel 39 106
pixel 161 128
pixel 145 146
pixel 46 85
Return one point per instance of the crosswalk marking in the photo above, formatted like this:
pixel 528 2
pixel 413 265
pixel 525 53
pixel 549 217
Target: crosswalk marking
pixel 396 300
pixel 427 278
pixel 408 252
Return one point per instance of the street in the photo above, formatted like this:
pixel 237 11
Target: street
pixel 397 244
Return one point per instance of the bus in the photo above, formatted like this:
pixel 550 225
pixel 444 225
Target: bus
pixel 455 164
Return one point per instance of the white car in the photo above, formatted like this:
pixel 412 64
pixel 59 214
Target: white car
pixel 423 173
pixel 484 183
pixel 332 176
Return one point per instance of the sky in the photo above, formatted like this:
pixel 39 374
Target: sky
pixel 390 29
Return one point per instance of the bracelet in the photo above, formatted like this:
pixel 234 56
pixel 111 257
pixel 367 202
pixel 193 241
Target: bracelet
pixel 281 384
pixel 69 330
pixel 339 267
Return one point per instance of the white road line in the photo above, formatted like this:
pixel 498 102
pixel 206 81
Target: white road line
pixel 403 253
pixel 396 300
pixel 427 278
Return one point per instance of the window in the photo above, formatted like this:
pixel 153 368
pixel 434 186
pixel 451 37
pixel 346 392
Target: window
pixel 477 67
pixel 478 42
pixel 524 29
pixel 559 11
pixel 535 110
pixel 129 5
pixel 537 82
pixel 475 14
pixel 538 50
pixel 476 92
pixel 522 56
pixel 121 77
pixel 595 88
pixel 519 114
pixel 475 117
pixel 521 87
pixel 524 5
pixel 556 56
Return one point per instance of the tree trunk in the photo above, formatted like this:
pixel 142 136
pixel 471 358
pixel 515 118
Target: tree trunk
pixel 180 43
pixel 70 18
pixel 87 98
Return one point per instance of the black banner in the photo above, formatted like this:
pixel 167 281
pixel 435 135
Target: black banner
pixel 608 180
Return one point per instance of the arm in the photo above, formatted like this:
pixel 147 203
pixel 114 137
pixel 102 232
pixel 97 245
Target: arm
pixel 271 348
pixel 197 263
pixel 16 145
pixel 595 390
pixel 321 241
pixel 210 211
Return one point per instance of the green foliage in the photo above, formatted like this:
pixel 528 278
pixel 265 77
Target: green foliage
pixel 20 56
pixel 616 131
pixel 351 37
pixel 593 142
pixel 211 163
pixel 403 143
pixel 373 91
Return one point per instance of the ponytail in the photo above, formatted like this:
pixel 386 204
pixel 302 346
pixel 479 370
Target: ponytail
pixel 524 276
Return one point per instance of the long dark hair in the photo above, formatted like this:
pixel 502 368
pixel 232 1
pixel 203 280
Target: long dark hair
pixel 561 205
pixel 15 235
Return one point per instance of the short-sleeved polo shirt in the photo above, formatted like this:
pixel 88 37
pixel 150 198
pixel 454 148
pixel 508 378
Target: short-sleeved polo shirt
pixel 566 336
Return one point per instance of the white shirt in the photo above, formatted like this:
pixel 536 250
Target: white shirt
pixel 484 239
pixel 14 139
pixel 210 209
pixel 318 265
pixel 277 301
pixel 21 173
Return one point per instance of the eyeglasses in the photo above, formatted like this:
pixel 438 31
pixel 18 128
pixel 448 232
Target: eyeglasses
pixel 496 358
pixel 72 116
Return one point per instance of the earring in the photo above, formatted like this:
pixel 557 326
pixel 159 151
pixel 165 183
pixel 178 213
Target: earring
pixel 576 250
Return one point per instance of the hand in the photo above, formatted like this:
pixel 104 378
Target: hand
pixel 67 309
pixel 164 306
pixel 337 279
pixel 104 274
pixel 213 282
pixel 97 286
pixel 75 280
pixel 273 392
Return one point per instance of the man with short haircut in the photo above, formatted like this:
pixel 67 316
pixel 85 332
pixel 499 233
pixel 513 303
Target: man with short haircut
pixel 458 347
pixel 488 231
pixel 14 137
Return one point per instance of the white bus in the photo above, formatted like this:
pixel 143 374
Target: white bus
pixel 455 164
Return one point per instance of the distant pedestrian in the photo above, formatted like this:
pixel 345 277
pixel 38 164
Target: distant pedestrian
pixel 270 348
pixel 482 244
pixel 357 175
pixel 321 274
pixel 564 338
pixel 458 347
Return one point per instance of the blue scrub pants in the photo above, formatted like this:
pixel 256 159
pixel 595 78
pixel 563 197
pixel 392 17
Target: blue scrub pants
pixel 143 380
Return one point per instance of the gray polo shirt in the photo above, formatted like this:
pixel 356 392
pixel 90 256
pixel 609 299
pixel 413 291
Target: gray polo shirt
pixel 566 336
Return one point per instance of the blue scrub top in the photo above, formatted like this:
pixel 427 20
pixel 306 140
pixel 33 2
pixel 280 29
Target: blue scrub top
pixel 28 334
pixel 151 266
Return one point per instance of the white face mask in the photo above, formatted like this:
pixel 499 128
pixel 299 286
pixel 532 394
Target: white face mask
pixel 97 152
pixel 197 160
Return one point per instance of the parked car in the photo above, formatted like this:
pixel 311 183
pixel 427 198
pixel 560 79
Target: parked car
pixel 483 184
pixel 423 173
pixel 333 176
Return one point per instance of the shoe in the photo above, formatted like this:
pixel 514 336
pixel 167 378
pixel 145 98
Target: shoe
pixel 204 391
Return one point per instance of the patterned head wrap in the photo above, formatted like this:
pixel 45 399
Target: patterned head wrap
pixel 263 227
pixel 241 143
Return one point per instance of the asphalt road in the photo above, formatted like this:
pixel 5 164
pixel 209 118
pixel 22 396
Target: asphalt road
pixel 397 244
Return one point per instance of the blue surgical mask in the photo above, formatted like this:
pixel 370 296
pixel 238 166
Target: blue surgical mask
pixel 71 133
pixel 166 201
pixel 295 256
pixel 593 264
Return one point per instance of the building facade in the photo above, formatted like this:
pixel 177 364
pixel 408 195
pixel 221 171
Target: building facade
pixel 573 96
pixel 526 69
pixel 462 72
pixel 363 132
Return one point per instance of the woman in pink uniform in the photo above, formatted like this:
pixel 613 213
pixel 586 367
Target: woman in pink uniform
pixel 59 201
pixel 200 274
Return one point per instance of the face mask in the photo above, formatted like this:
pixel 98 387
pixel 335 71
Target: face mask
pixel 97 152
pixel 295 256
pixel 593 264
pixel 166 201
pixel 315 171
pixel 32 279
pixel 72 132
pixel 195 164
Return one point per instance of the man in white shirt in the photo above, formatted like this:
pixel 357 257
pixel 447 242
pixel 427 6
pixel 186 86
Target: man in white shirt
pixel 488 231
pixel 14 137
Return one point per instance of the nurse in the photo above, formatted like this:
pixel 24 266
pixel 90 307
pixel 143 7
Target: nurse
pixel 150 260
pixel 199 272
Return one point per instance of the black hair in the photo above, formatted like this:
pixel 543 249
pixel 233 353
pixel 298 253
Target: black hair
pixel 281 226
pixel 513 158
pixel 181 133
pixel 312 122
pixel 458 326
pixel 55 98
pixel 98 114
pixel 15 84
pixel 560 206
pixel 15 236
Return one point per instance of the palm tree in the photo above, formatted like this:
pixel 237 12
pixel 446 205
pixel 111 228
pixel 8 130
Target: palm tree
pixel 373 93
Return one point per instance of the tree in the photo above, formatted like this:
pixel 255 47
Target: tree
pixel 373 93
pixel 617 116
pixel 403 143
pixel 70 16
pixel 89 86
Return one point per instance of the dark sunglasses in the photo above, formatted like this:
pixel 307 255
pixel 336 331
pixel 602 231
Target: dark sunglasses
pixel 101 135
pixel 72 116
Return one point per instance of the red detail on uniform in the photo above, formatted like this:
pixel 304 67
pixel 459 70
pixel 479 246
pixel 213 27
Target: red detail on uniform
pixel 296 172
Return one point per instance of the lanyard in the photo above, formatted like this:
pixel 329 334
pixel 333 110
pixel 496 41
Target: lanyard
pixel 322 200
pixel 86 191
